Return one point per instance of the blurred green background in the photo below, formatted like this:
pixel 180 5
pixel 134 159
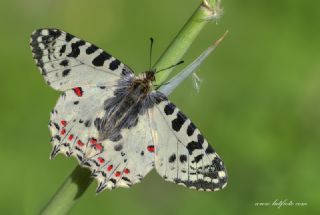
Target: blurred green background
pixel 259 103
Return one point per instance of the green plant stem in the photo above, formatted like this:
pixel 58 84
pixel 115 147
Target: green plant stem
pixel 79 180
pixel 69 192
pixel 207 10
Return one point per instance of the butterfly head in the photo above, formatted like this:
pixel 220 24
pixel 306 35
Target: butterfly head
pixel 150 75
pixel 143 83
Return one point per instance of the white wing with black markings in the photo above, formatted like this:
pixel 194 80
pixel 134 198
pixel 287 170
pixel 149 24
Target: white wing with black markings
pixel 183 155
pixel 66 61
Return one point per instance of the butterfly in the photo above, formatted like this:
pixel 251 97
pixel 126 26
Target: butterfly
pixel 114 123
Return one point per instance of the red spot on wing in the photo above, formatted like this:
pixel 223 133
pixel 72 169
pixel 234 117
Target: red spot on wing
pixel 93 141
pixel 63 123
pixel 126 171
pixel 117 174
pixel 100 159
pixel 98 147
pixel 150 148
pixel 80 143
pixel 109 168
pixel 70 137
pixel 78 91
pixel 63 131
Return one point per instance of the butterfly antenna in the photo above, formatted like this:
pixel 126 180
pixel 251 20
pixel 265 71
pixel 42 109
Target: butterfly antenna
pixel 180 62
pixel 150 54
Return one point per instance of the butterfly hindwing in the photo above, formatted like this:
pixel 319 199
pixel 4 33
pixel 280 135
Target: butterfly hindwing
pixel 183 155
pixel 72 119
pixel 74 127
pixel 124 162
pixel 66 61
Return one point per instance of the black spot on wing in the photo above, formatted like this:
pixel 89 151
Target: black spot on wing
pixel 200 139
pixel 183 158
pixel 118 147
pixel 75 50
pixel 210 172
pixel 69 37
pixel 62 49
pixel 100 59
pixel 193 146
pixel 178 122
pixel 172 158
pixel 114 64
pixel 56 125
pixel 64 63
pixel 66 72
pixel 40 63
pixel 190 129
pixel 37 51
pixel 218 164
pixel 57 137
pixel 52 35
pixel 169 108
pixel 79 157
pixel 87 123
pixel 46 39
pixel 200 184
pixel 126 179
pixel 34 37
pixel 198 158
pixel 113 180
pixel 91 49
pixel 209 149
pixel 55 33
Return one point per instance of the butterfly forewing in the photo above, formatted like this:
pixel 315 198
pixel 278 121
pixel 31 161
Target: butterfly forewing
pixel 66 61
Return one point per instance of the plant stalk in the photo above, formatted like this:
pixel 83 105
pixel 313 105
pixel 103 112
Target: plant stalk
pixel 208 10
pixel 69 192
